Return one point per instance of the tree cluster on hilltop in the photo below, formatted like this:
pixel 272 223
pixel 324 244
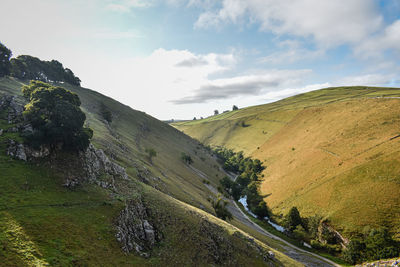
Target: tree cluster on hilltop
pixel 31 68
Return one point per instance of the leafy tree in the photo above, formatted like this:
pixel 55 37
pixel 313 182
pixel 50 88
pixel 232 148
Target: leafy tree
pixel 293 219
pixel 5 65
pixel 216 112
pixel 56 117
pixel 220 209
pixel 32 68
pixel 227 183
pixel 151 153
pixel 186 158
pixel 235 107
pixel 194 118
pixel 261 210
pixel 353 253
pixel 32 86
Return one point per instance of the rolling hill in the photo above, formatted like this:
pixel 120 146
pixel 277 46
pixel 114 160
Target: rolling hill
pixel 162 202
pixel 333 152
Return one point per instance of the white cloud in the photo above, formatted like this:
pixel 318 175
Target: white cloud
pixel 246 85
pixel 293 51
pixel 125 6
pixel 373 47
pixel 327 22
pixel 110 34
pixel 366 79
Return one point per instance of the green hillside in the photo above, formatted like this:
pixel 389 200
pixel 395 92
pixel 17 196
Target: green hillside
pixel 332 152
pixel 43 222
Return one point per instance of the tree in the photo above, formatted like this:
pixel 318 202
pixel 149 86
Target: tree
pixel 234 107
pixel 151 153
pixel 261 210
pixel 194 118
pixel 32 86
pixel 220 209
pixel 186 158
pixel 56 117
pixel 293 219
pixel 216 112
pixel 5 65
pixel 28 67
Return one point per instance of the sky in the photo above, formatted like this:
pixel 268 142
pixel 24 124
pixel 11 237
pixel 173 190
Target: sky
pixel 179 59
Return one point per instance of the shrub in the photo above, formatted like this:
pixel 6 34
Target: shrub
pixel 151 153
pixel 261 210
pixel 220 209
pixel 186 158
pixel 293 219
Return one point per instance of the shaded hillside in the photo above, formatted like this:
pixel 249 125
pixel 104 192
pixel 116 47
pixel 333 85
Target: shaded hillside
pixel 332 152
pixel 46 219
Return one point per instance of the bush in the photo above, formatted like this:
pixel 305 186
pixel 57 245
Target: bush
pixel 220 209
pixel 261 210
pixel 151 153
pixel 300 233
pixel 186 158
pixel 293 219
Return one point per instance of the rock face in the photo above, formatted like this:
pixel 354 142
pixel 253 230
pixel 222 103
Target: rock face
pixel 16 150
pixel 24 152
pixel 134 229
pixel 14 109
pixel 100 169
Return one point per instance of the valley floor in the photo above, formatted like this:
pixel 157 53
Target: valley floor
pixel 305 257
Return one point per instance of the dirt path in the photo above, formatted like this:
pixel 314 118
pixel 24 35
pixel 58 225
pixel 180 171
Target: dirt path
pixel 305 257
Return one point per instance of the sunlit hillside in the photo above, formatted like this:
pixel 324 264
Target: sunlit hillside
pixel 333 152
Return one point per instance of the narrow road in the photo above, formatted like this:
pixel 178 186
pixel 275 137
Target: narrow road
pixel 307 258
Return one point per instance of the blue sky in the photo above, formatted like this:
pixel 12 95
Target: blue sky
pixel 184 58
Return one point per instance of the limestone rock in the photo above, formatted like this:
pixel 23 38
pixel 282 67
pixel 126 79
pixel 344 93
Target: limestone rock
pixel 15 110
pixel 42 152
pixel 16 150
pixel 97 165
pixel 134 230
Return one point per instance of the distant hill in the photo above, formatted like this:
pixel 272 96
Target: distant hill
pixel 333 152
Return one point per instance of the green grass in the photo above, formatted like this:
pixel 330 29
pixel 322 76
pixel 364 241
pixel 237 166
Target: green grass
pixel 42 222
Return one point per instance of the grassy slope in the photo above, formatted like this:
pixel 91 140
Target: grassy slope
pixel 42 222
pixel 327 151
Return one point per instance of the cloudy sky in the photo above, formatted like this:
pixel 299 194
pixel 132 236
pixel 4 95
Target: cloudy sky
pixel 184 58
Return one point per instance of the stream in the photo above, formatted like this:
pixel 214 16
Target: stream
pixel 243 201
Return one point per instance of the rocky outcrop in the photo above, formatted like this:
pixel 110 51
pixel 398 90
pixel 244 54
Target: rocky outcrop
pixel 327 234
pixel 23 152
pixel 135 230
pixel 16 150
pixel 14 108
pixel 100 169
